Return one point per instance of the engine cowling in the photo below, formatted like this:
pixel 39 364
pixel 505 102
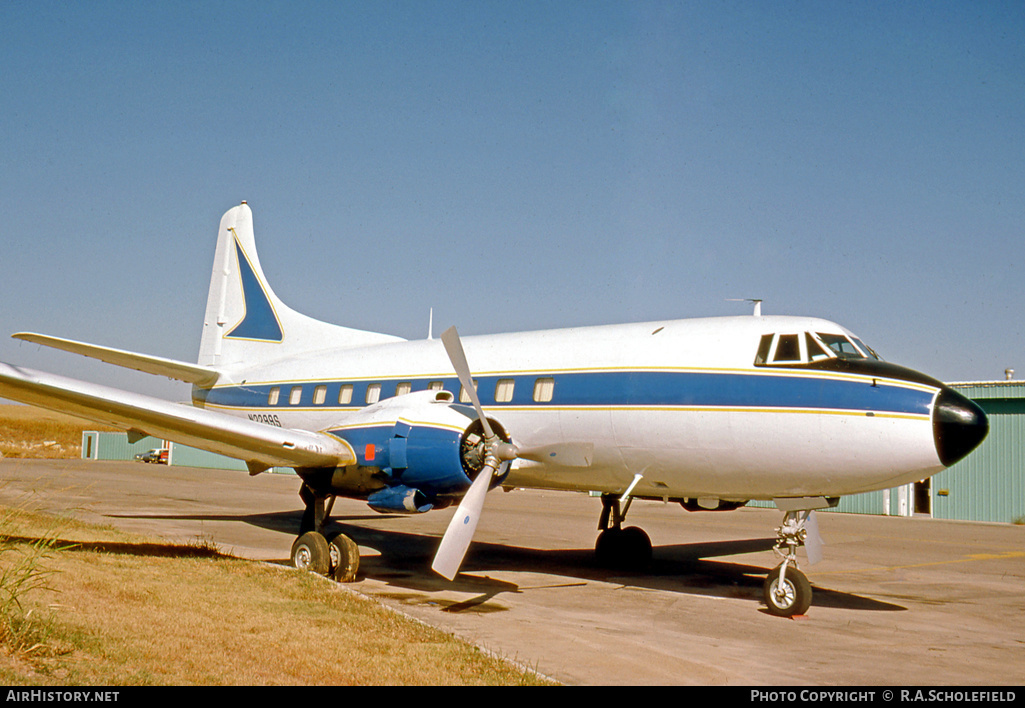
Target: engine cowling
pixel 423 447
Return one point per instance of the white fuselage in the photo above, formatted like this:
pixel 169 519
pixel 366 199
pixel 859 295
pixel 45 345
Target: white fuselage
pixel 681 403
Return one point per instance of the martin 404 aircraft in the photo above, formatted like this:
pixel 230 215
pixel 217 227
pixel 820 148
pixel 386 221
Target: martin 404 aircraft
pixel 710 413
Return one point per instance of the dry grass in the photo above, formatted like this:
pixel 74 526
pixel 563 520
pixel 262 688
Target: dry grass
pixel 26 431
pixel 121 610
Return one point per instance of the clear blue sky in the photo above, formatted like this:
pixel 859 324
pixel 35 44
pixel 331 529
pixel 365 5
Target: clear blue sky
pixel 517 165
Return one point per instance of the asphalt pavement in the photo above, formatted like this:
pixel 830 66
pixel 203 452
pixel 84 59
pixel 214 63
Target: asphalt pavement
pixel 897 601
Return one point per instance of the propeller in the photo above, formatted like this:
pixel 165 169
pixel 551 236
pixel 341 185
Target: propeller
pixel 496 451
pixel 813 542
pixel 801 526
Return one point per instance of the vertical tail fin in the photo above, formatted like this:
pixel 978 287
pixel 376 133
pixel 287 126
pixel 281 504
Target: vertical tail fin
pixel 245 322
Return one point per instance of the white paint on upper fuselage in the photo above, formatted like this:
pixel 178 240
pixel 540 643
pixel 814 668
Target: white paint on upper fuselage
pixel 722 343
pixel 732 453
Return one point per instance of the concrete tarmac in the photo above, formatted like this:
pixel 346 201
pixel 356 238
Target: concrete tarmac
pixel 897 601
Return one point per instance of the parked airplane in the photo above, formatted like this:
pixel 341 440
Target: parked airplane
pixel 710 413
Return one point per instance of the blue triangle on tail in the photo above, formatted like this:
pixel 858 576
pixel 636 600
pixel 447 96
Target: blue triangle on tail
pixel 260 321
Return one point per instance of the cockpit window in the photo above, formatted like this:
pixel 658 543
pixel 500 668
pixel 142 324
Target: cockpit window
pixel 788 349
pixel 841 346
pixel 816 351
pixel 785 349
pixel 869 352
pixel 763 350
pixel 844 348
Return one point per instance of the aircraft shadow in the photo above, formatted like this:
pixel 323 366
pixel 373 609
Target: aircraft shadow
pixel 693 569
pixel 153 550
pixel 404 561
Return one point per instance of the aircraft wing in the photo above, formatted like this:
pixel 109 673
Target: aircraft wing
pixel 178 370
pixel 260 446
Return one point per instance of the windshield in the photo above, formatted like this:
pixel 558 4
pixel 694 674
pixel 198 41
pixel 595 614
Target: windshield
pixel 845 348
pixel 786 349
pixel 869 351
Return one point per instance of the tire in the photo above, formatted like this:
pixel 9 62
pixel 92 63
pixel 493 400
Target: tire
pixel 310 552
pixel 608 548
pixel 636 548
pixel 623 549
pixel 344 559
pixel 795 597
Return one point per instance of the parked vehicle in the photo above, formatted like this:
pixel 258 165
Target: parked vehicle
pixel 157 456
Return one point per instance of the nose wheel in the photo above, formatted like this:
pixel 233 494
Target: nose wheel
pixel 787 592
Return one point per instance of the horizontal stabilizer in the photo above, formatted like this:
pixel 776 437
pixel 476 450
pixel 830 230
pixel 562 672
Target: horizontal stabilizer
pixel 178 370
pixel 259 445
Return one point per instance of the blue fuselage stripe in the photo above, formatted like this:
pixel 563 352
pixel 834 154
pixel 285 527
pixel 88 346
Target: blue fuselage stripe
pixel 613 389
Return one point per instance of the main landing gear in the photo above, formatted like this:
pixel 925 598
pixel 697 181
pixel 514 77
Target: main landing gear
pixel 787 591
pixel 335 555
pixel 617 547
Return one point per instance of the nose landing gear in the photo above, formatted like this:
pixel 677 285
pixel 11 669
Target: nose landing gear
pixel 786 591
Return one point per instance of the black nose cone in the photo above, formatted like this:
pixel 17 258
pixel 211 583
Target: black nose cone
pixel 958 425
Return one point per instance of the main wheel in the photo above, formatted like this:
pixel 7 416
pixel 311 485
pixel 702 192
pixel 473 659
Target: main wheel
pixel 344 558
pixel 628 548
pixel 789 598
pixel 310 552
pixel 636 547
pixel 607 547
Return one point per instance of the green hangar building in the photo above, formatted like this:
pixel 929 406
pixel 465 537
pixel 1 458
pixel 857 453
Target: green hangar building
pixel 988 485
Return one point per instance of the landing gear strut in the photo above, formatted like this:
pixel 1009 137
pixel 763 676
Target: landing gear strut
pixel 787 591
pixel 618 547
pixel 337 556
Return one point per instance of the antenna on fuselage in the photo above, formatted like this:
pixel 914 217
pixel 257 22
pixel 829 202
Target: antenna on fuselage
pixel 430 324
pixel 757 303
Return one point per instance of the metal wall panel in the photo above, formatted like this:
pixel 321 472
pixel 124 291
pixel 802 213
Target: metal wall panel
pixel 989 484
pixel 115 446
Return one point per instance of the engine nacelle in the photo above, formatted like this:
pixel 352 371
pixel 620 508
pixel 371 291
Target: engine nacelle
pixel 422 446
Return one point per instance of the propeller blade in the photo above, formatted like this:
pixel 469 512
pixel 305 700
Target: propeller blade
pixel 460 529
pixel 813 541
pixel 454 348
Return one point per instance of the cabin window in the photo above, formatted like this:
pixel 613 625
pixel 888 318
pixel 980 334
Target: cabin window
pixel 272 397
pixel 504 390
pixel 403 388
pixel 319 395
pixel 464 397
pixel 295 395
pixel 373 393
pixel 345 395
pixel 436 386
pixel 544 388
